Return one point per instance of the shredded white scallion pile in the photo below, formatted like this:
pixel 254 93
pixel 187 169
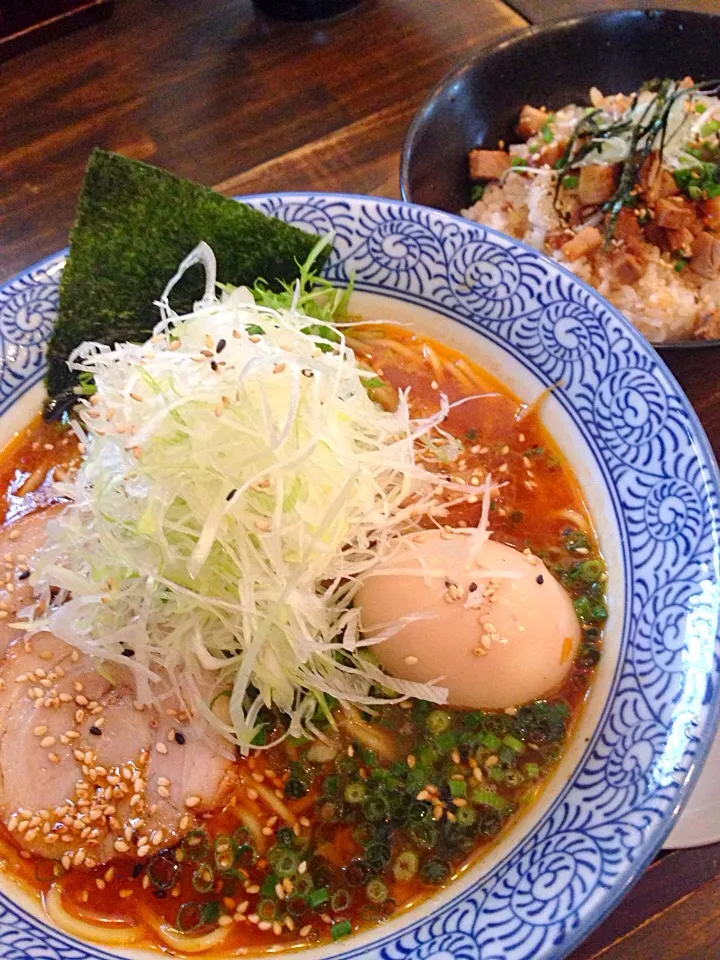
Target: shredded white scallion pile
pixel 237 482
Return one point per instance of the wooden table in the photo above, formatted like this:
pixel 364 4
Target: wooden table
pixel 214 92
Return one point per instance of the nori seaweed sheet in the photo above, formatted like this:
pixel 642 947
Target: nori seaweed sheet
pixel 135 224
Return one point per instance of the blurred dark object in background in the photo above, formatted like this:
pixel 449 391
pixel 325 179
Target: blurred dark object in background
pixel 26 23
pixel 304 9
pixel 540 11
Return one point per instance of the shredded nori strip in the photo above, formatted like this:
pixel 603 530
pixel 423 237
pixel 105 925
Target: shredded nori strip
pixel 652 124
pixel 135 224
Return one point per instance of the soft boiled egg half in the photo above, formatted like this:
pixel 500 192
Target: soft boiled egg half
pixel 484 620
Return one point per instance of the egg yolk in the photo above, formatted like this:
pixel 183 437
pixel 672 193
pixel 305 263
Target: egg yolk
pixel 487 622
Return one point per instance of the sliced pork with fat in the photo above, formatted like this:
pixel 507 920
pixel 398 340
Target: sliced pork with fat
pixel 86 773
pixel 18 542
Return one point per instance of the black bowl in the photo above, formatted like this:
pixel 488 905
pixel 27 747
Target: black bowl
pixel 478 103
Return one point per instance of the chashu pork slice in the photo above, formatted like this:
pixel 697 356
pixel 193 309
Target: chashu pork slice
pixel 85 773
pixel 19 540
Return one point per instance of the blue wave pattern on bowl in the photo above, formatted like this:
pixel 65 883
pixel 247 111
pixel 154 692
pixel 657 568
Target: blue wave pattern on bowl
pixel 559 880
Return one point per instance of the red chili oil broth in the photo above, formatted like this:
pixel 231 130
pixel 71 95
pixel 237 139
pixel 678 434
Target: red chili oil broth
pixel 530 510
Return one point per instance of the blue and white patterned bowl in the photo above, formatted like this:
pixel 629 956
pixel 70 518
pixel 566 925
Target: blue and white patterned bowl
pixel 652 485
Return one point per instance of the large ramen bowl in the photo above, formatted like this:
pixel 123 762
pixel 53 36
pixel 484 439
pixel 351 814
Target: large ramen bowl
pixel 651 484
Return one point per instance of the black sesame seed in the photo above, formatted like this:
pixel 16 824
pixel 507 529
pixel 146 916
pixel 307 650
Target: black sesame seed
pixel 307 372
pixel 160 894
pixel 213 365
pixel 24 575
pixel 231 494
pixel 540 579
pixel 179 737
pixel 95 731
pixel 127 652
pixel 472 587
pixel 221 344
pixel 137 870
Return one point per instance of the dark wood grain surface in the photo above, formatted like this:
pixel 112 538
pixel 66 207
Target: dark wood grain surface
pixel 207 89
pixel 215 92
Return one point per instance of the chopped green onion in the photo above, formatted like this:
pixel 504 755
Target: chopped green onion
pixel 363 834
pixel 268 885
pixel 488 798
pixel 267 909
pixel 599 611
pixel 285 837
pixel 591 570
pixel 576 540
pixel 329 810
pixel 376 891
pixel 162 872
pixel 416 779
pixel 458 788
pixel 589 612
pixel 490 741
pixel 245 856
pixel 370 913
pixel 418 810
pixel 570 182
pixel 210 913
pixel 223 852
pixel 465 816
pixel 378 855
pixel 532 770
pixel 424 833
pixel 445 741
pixel 195 845
pixel 406 864
pixel 709 128
pixel 203 879
pixel 355 792
pixel 437 722
pixel 295 789
pixel 340 901
pixel 283 861
pixel 296 904
pixel 517 745
pixel 331 785
pixel 189 916
pixel 435 871
pixel 387 909
pixel 357 872
pixel 303 884
pixel 242 835
pixel 375 808
pixel 340 930
pixel 317 897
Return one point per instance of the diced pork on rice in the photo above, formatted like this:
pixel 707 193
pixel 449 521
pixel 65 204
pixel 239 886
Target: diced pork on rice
pixel 656 287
